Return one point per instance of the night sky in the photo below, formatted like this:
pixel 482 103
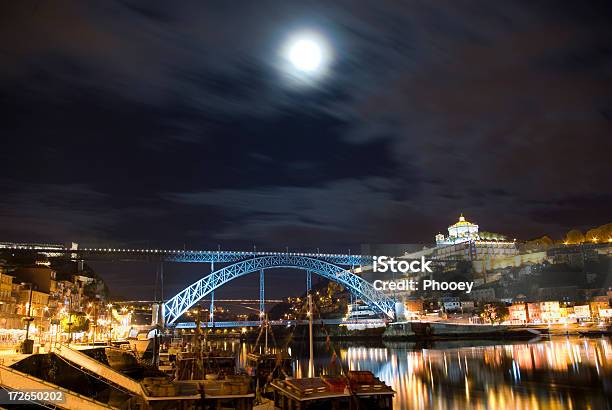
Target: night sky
pixel 172 124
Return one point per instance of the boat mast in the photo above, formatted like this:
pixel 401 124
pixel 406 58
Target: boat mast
pixel 310 361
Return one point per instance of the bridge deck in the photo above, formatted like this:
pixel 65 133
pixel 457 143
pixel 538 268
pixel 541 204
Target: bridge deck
pixel 255 323
pixel 174 255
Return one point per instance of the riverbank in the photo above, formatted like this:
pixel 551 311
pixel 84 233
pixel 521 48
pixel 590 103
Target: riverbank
pixel 447 330
pixel 438 330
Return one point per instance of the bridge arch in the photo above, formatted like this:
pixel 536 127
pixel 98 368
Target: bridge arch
pixel 182 301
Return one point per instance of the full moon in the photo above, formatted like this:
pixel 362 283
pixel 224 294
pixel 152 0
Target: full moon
pixel 306 56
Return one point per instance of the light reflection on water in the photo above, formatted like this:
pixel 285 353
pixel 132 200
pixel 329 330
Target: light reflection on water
pixel 564 373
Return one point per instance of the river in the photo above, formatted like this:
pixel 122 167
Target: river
pixel 560 373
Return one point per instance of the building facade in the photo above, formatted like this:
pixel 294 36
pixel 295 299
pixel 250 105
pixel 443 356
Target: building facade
pixel 8 303
pixel 465 242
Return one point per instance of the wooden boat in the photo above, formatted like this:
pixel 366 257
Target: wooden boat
pixel 267 366
pixel 231 392
pixel 360 390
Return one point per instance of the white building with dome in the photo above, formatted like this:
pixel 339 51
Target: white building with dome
pixel 460 231
pixel 465 241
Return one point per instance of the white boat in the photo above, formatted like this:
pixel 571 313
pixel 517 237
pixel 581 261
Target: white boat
pixel 363 316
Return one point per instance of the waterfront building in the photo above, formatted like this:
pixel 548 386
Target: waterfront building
pixel 596 306
pixel 538 312
pixel 518 313
pixel 566 312
pixel 8 303
pixel 533 313
pixel 413 307
pixel 40 302
pixel 6 285
pixel 549 312
pixel 582 312
pixel 605 314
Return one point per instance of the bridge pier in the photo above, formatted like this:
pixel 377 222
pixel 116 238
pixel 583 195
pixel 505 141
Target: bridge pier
pixel 212 297
pixel 262 294
pixel 212 307
pixel 308 281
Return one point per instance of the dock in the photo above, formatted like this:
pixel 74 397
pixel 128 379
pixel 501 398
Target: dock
pixel 233 391
pixel 14 380
pixel 98 369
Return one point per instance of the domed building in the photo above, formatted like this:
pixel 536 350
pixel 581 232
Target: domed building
pixel 465 241
pixel 460 231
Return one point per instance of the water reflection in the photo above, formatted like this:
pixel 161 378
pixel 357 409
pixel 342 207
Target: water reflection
pixel 571 373
pixel 557 374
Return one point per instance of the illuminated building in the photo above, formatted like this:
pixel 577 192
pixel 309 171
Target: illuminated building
pixel 413 306
pixel 40 300
pixel 582 312
pixel 533 312
pixel 518 313
pixel 549 312
pixel 597 306
pixel 465 241
pixel 545 312
pixel 8 306
pixel 461 231
pixel 605 314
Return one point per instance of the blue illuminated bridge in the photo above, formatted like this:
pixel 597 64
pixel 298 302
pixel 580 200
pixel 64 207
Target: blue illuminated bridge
pixel 340 268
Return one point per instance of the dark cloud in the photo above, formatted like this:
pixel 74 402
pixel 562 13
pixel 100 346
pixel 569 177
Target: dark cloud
pixel 176 125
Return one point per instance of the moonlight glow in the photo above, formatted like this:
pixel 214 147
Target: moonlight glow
pixel 306 56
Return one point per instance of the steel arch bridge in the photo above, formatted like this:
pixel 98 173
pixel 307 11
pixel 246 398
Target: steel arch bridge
pixel 180 303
